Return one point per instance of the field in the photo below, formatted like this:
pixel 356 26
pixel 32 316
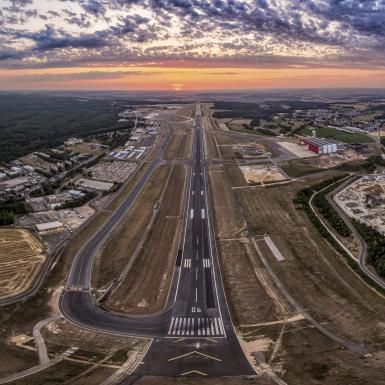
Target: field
pixel 332 133
pixel 84 148
pixel 145 287
pixel 179 147
pixel 36 162
pixel 115 252
pixel 21 256
pixel 314 275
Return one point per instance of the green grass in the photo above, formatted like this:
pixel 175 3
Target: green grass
pixel 332 133
pixel 245 131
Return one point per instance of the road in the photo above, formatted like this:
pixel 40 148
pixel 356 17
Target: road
pixel 194 335
pixel 363 247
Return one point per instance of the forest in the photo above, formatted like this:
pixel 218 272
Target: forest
pixel 375 246
pixel 39 121
pixel 261 111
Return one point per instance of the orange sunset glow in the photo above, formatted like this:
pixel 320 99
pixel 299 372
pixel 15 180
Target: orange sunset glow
pixel 188 45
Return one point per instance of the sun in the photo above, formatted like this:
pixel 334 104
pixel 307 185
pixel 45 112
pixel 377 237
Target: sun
pixel 177 86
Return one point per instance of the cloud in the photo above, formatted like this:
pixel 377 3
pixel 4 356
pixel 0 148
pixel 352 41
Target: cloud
pixel 242 32
pixel 90 75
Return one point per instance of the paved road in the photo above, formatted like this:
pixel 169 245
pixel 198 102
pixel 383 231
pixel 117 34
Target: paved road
pixel 194 335
pixel 363 247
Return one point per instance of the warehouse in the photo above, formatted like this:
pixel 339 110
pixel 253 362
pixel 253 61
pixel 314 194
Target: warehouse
pixel 47 227
pixel 320 146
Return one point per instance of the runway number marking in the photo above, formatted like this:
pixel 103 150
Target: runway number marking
pixel 196 309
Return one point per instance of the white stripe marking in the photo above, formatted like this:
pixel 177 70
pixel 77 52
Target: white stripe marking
pixel 221 325
pixel 191 213
pixel 188 327
pixel 203 213
pixel 216 327
pixel 207 326
pixel 179 325
pixel 171 325
pixel 212 328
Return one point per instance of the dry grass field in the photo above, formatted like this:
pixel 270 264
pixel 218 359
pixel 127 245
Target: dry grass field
pixel 145 288
pixel 315 275
pixel 21 257
pixel 114 254
pixel 179 147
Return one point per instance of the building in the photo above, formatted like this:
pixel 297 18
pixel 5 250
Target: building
pixel 76 194
pixel 320 146
pixel 47 227
pixel 93 185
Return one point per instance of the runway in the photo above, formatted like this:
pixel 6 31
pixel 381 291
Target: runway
pixel 194 335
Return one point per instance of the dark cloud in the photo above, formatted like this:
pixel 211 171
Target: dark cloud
pixel 332 32
pixel 94 7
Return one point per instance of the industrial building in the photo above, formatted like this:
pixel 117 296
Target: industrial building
pixel 320 146
pixel 46 227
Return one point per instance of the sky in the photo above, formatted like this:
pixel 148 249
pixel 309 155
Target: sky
pixel 184 45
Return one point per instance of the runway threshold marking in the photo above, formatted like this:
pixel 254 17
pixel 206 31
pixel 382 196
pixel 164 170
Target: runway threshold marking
pixel 194 372
pixel 197 353
pixel 206 262
pixel 204 326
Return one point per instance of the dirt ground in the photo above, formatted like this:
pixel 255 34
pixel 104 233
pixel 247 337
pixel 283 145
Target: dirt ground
pixel 145 288
pixel 300 167
pixel 21 257
pixel 114 254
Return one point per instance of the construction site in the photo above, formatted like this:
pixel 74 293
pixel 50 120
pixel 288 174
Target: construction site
pixel 21 257
pixel 262 173
pixel 364 200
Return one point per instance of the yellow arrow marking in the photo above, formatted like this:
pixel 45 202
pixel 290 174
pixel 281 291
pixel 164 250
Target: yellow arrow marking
pixel 194 371
pixel 194 352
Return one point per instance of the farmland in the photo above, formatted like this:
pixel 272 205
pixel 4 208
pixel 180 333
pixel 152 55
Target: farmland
pixel 21 256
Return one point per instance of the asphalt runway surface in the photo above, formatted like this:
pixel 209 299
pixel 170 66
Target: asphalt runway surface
pixel 194 335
